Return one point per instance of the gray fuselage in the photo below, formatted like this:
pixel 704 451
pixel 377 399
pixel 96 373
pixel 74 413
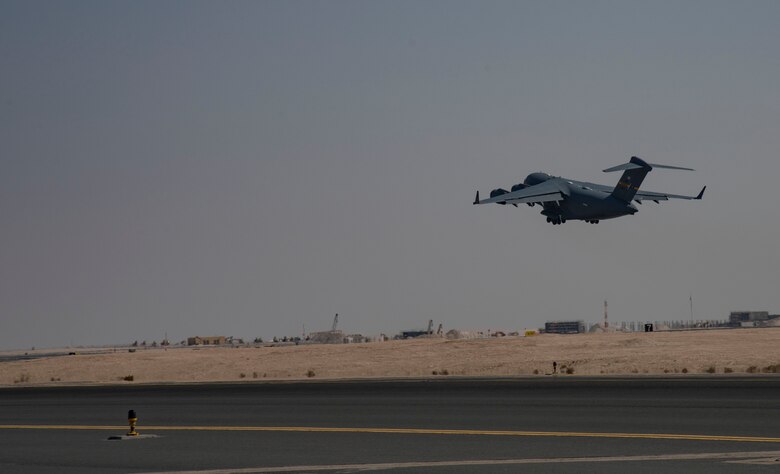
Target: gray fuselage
pixel 582 201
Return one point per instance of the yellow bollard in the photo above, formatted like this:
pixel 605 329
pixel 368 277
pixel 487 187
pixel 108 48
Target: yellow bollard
pixel 132 419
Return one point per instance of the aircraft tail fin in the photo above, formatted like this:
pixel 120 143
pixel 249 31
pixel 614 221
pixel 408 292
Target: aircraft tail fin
pixel 634 173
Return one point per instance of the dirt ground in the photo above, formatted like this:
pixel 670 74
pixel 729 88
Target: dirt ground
pixel 737 351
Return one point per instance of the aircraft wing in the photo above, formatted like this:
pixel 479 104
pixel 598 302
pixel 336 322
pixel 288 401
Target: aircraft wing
pixel 651 196
pixel 594 187
pixel 550 190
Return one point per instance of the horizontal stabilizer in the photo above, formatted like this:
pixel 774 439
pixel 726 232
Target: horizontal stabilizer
pixel 624 166
pixel 655 165
pixel 638 163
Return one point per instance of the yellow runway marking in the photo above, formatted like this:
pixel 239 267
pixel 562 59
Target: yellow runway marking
pixel 420 431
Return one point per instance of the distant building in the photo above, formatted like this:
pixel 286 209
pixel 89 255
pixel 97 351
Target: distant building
pixel 327 337
pixel 458 334
pixel 412 333
pixel 564 327
pixel 747 318
pixel 206 341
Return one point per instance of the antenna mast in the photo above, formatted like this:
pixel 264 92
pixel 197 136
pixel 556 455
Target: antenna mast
pixel 691 299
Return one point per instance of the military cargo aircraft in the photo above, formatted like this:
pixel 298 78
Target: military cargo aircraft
pixel 564 199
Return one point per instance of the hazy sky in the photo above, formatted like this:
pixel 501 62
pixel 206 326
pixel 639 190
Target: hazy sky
pixel 244 168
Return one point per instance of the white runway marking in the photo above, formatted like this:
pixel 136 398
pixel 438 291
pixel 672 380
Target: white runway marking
pixel 749 457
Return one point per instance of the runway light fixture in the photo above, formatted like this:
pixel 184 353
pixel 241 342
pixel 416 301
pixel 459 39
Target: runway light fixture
pixel 132 419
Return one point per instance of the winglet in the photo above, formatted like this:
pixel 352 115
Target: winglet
pixel 476 199
pixel 701 193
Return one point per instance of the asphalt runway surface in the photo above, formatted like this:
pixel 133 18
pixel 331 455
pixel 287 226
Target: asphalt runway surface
pixel 544 424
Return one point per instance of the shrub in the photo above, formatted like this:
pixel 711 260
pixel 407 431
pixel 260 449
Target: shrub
pixel 569 370
pixel 128 378
pixel 752 369
pixel 310 373
pixel 727 370
pixel 772 369
pixel 435 372
pixel 23 378
pixel 684 370
pixel 710 369
pixel 445 372
pixel 254 375
pixel 536 371
pixel 242 375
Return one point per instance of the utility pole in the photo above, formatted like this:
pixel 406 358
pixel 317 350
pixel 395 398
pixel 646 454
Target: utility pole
pixel 606 323
pixel 691 300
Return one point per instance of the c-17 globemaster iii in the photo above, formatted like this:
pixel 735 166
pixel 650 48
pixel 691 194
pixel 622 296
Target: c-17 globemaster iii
pixel 565 199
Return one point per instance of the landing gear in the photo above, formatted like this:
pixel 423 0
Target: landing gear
pixel 592 222
pixel 556 220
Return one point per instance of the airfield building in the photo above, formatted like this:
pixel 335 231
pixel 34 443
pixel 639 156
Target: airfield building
pixel 412 333
pixel 747 318
pixel 334 336
pixel 564 327
pixel 327 337
pixel 206 341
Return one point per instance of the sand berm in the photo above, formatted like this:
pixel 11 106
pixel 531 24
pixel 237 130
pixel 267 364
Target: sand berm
pixel 736 351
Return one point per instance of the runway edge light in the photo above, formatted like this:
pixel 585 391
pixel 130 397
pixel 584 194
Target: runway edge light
pixel 132 419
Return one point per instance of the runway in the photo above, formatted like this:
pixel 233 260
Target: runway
pixel 556 424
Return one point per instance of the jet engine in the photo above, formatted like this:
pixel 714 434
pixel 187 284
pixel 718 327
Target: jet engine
pixel 498 192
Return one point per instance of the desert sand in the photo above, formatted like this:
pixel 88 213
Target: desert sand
pixel 736 351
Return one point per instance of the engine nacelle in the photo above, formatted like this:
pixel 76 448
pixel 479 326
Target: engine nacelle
pixel 536 178
pixel 518 187
pixel 498 192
